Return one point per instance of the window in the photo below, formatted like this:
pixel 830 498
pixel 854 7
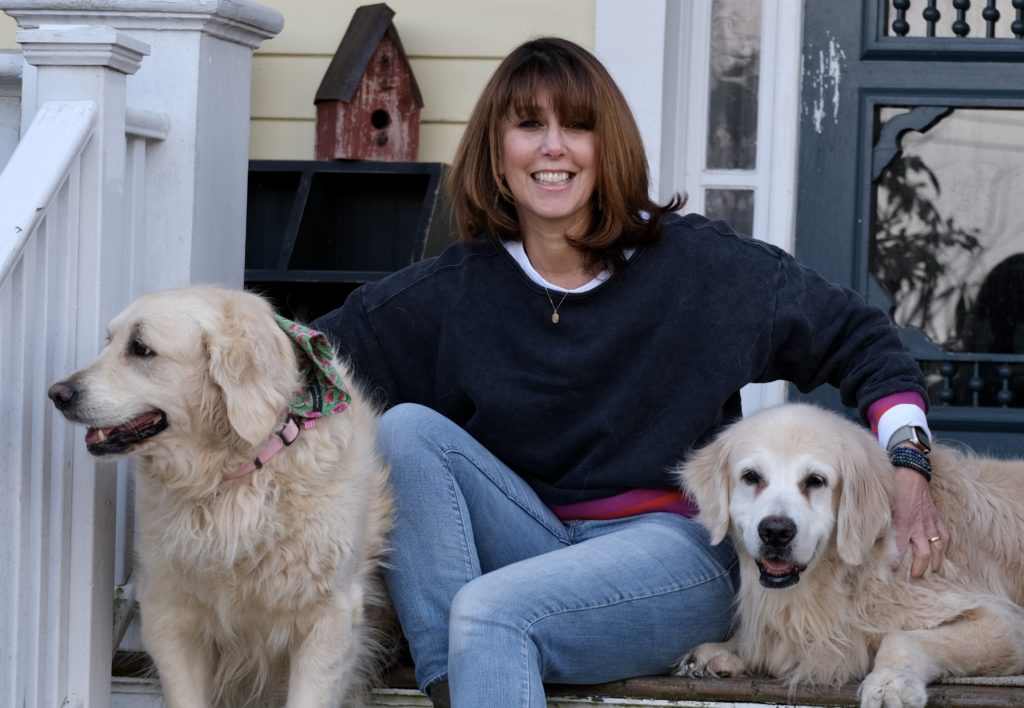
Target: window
pixel 732 117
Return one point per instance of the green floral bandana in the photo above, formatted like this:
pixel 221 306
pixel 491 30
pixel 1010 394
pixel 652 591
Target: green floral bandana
pixel 324 392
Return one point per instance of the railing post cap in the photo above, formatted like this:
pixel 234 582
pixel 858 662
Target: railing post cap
pixel 238 21
pixel 82 45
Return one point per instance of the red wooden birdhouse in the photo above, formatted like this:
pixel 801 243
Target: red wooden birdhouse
pixel 368 104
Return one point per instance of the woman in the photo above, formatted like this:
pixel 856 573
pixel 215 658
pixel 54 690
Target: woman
pixel 544 375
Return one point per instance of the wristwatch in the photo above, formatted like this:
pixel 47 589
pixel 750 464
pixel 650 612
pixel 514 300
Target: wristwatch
pixel 912 434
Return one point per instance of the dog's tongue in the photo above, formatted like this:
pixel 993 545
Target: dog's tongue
pixel 777 567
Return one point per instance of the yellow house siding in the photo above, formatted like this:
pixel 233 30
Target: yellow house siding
pixel 453 46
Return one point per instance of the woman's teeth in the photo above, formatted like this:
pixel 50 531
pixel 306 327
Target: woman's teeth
pixel 552 177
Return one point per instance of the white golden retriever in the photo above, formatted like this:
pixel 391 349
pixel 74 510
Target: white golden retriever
pixel 257 580
pixel 824 599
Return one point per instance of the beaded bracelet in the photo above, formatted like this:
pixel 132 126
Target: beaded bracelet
pixel 913 459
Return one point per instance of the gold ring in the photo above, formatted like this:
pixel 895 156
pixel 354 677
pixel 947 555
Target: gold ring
pixel 933 539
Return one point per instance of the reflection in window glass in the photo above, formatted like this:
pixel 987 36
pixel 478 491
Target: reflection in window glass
pixel 733 205
pixel 947 243
pixel 732 88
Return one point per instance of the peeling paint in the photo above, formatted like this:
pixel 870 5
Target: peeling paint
pixel 826 84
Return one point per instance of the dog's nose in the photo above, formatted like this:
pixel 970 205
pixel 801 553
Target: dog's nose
pixel 776 530
pixel 63 394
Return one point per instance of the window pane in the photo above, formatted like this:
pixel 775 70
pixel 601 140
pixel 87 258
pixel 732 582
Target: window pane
pixel 732 87
pixel 947 243
pixel 733 205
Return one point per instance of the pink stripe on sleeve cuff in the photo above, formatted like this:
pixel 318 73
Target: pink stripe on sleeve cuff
pixel 877 409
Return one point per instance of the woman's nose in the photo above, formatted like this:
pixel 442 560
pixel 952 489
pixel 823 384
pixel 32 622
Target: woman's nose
pixel 553 143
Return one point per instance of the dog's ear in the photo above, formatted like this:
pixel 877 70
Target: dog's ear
pixel 704 477
pixel 253 363
pixel 864 510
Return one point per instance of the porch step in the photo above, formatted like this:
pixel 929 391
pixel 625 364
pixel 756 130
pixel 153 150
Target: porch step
pixel 129 692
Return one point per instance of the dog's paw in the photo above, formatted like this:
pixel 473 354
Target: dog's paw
pixel 710 660
pixel 889 688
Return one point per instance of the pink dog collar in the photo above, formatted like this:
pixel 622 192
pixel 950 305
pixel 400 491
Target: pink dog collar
pixel 274 444
pixel 323 392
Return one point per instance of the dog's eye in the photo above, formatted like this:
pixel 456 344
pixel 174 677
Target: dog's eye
pixel 751 477
pixel 137 348
pixel 815 481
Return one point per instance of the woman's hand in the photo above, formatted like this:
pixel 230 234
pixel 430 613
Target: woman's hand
pixel 916 522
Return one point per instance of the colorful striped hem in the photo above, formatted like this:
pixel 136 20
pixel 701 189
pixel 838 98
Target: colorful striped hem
pixel 631 503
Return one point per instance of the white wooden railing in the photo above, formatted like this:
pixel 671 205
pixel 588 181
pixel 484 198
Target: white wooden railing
pixel 99 202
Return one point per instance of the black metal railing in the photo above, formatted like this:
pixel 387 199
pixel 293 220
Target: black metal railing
pixel 975 380
pixel 901 12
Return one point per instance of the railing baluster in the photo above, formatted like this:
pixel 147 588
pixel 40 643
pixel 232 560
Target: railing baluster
pixel 960 26
pixel 931 16
pixel 1018 23
pixel 991 16
pixel 900 25
pixel 948 371
pixel 975 384
pixel 1005 396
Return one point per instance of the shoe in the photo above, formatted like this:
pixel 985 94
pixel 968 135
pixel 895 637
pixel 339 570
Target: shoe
pixel 438 693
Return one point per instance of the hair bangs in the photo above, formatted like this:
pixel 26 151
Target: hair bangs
pixel 570 91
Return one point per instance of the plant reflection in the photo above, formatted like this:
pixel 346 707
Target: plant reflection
pixel 923 259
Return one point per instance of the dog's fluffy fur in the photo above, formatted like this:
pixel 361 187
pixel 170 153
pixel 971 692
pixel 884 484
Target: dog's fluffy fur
pixel 835 603
pixel 251 588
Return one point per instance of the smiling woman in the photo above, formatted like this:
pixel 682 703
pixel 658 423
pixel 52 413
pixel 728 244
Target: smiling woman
pixel 543 375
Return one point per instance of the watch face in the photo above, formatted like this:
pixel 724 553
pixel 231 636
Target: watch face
pixel 918 437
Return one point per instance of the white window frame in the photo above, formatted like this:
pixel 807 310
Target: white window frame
pixel 658 52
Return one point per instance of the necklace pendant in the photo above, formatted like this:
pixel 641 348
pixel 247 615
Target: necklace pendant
pixel 554 317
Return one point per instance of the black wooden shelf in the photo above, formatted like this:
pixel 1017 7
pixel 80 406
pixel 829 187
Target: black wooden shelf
pixel 317 229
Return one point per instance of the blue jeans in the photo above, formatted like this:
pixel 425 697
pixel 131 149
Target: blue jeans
pixel 498 595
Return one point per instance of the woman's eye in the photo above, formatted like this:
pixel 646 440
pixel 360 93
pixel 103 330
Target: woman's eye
pixel 530 123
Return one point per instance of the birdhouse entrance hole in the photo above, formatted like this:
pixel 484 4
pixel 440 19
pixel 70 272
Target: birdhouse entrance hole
pixel 380 119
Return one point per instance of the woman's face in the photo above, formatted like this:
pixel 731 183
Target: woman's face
pixel 550 169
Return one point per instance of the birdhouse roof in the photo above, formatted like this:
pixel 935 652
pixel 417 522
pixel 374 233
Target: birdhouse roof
pixel 369 25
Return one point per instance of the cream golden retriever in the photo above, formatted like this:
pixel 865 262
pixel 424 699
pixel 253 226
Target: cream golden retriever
pixel 259 577
pixel 824 599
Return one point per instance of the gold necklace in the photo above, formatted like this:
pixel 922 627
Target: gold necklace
pixel 554 307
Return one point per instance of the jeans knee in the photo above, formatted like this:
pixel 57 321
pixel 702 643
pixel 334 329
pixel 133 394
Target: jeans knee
pixel 396 422
pixel 477 608
pixel 406 430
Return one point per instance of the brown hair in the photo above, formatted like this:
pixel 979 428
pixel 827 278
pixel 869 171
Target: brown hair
pixel 581 90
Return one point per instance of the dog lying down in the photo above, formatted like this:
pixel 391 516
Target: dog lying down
pixel 805 495
pixel 262 506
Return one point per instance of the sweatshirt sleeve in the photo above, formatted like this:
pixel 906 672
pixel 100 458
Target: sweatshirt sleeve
pixel 824 333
